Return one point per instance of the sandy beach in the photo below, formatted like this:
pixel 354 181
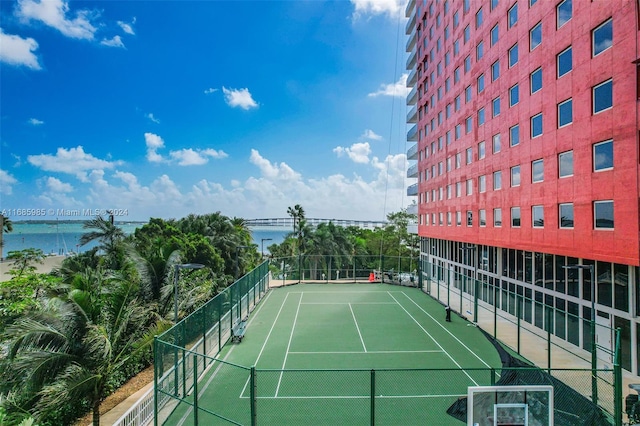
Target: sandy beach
pixel 50 262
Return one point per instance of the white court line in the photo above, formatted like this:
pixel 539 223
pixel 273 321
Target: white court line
pixel 295 319
pixel 215 373
pixel 435 341
pixel 360 352
pixel 265 343
pixel 445 329
pixel 357 328
pixel 360 396
pixel 348 303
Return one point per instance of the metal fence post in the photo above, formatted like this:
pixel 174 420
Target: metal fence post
pixel 617 381
pixel 518 314
pixel 495 310
pixel 252 396
pixel 493 376
pixel 184 374
pixel 549 316
pixel 156 367
pixel 219 324
pixel 195 389
pixel 373 397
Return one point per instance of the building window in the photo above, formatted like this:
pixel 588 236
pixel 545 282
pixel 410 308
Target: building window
pixel 494 4
pixel 456 103
pixel 514 135
pixel 456 47
pixel 468 123
pixel 448 218
pixel 456 75
pixel 467 34
pixel 458 189
pixel 467 94
pixel 479 18
pixel 537 216
pixel 513 55
pixel 447 85
pixel 469 218
pixel 466 6
pixel 565 164
pixel 537 171
pixel 602 37
pixel 536 125
pixel 482 217
pixel 535 80
pixel 603 156
pixel 458 160
pixel 532 2
pixel 456 19
pixel 440 218
pixel 482 184
pixel 565 213
pixel 495 34
pixel 480 83
pixel 458 218
pixel 514 95
pixel 469 187
pixel 535 36
pixel 564 61
pixel 469 153
pixel 495 70
pixel 603 96
pixel 458 131
pixel 497 180
pixel 497 217
pixel 515 176
pixel 603 214
pixel 479 51
pixel 495 107
pixel 515 217
pixel 448 137
pixel 565 113
pixel 446 33
pixel 447 111
pixel 496 143
pixel 447 59
pixel 467 64
pixel 513 15
pixel 481 150
pixel 564 12
pixel 481 116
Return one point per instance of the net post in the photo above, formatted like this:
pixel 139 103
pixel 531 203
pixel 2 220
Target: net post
pixel 252 396
pixel 195 389
pixel 156 366
pixel 448 285
pixel 373 397
pixel 549 316
pixel 594 358
pixel 476 290
pixel 617 381
pixel 518 315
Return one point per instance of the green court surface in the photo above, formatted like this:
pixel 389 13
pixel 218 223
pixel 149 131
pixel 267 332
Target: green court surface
pixel 340 354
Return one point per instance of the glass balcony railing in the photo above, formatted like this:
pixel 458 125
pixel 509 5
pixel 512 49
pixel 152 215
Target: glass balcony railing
pixel 411 6
pixel 412 172
pixel 413 78
pixel 412 134
pixel 412 153
pixel 412 97
pixel 411 61
pixel 411 25
pixel 412 190
pixel 412 41
pixel 412 115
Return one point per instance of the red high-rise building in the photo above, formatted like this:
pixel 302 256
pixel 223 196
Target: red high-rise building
pixel 527 139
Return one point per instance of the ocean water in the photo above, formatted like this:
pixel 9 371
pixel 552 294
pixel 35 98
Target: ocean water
pixel 63 238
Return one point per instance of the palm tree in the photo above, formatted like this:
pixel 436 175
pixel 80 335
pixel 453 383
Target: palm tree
pixel 70 350
pixel 5 226
pixel 109 237
pixel 297 214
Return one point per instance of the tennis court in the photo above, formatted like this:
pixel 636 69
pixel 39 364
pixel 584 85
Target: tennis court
pixel 340 354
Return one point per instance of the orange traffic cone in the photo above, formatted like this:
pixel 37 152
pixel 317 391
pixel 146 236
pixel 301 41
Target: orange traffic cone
pixel 372 277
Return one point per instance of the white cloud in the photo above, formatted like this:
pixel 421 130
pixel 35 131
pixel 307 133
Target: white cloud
pixel 391 8
pixel 370 134
pixel 6 182
pixel 116 41
pixel 154 142
pixel 398 88
pixel 210 90
pixel 35 122
pixel 152 118
pixel 54 14
pixel 73 161
pixel 274 171
pixel 56 185
pixel 126 27
pixel 239 98
pixel 190 157
pixel 358 152
pixel 15 50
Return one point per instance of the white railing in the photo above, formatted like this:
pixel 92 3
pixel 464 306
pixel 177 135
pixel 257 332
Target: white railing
pixel 140 414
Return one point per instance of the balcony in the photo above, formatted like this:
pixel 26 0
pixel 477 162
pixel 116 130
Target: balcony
pixel 413 78
pixel 412 98
pixel 412 190
pixel 412 153
pixel 412 115
pixel 411 61
pixel 412 228
pixel 412 172
pixel 411 25
pixel 412 134
pixel 412 209
pixel 412 41
pixel 411 6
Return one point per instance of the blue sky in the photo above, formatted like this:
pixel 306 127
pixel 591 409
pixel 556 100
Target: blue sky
pixel 165 108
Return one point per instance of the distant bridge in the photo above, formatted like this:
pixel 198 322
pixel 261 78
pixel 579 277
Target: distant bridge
pixel 287 222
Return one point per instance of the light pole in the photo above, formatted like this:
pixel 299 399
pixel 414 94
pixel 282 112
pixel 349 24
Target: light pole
pixel 475 282
pixel 262 240
pixel 237 250
pixel 176 274
pixel 594 352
